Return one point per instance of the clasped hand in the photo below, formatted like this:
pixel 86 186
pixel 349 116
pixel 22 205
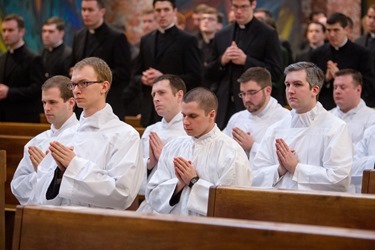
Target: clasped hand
pixel 233 54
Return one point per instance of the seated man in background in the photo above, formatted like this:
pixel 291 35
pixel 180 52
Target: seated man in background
pixel 347 89
pixel 247 127
pixel 189 165
pixel 167 93
pixel 312 150
pixel 364 157
pixel 58 104
pixel 99 162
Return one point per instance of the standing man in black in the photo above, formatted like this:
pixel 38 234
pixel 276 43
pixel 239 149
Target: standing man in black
pixel 244 44
pixel 56 55
pixel 368 39
pixel 21 75
pixel 167 50
pixel 97 39
pixel 341 53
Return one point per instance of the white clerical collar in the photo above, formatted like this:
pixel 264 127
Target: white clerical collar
pixel 176 119
pixel 342 45
pixel 11 50
pixel 50 49
pixel 161 30
pixel 305 119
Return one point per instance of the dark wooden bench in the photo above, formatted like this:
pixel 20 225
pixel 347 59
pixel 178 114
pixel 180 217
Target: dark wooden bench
pixel 368 181
pixel 85 228
pixel 133 121
pixel 291 206
pixel 3 177
pixel 19 128
pixel 13 144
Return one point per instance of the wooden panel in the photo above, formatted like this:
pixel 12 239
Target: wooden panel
pixel 14 147
pixel 291 206
pixel 19 128
pixel 133 121
pixel 2 195
pixel 85 228
pixel 368 181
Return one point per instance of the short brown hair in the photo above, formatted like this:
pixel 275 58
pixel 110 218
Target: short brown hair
pixel 60 24
pixel 356 75
pixel 100 67
pixel 205 98
pixel 60 82
pixel 175 82
pixel 19 19
pixel 257 74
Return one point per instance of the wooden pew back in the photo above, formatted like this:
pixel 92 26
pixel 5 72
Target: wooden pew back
pixel 2 194
pixel 368 181
pixel 291 206
pixel 133 121
pixel 13 144
pixel 20 128
pixel 85 228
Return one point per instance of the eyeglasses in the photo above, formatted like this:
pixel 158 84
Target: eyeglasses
pixel 249 93
pixel 240 7
pixel 81 84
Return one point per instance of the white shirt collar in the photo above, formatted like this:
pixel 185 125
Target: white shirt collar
pixel 163 30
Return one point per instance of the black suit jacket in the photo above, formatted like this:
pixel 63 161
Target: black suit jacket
pixel 22 72
pixel 180 56
pixel 113 47
pixel 57 61
pixel 350 56
pixel 262 48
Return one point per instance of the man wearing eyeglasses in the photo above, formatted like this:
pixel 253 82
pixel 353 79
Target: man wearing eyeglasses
pixel 244 44
pixel 310 150
pixel 99 163
pixel 247 127
pixel 99 39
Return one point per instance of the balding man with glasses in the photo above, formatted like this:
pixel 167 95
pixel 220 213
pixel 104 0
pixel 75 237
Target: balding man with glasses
pixel 247 127
pixel 244 44
pixel 99 163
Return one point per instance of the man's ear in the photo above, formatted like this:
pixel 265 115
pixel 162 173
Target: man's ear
pixel 106 86
pixel 315 90
pixel 212 114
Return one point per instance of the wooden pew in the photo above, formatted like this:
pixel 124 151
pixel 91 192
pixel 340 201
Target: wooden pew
pixel 14 145
pixel 368 181
pixel 133 121
pixel 2 194
pixel 140 130
pixel 291 206
pixel 90 228
pixel 20 128
pixel 43 118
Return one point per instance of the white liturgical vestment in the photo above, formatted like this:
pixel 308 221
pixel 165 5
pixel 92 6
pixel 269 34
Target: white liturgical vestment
pixel 257 124
pixel 107 170
pixel 24 179
pixel 218 160
pixel 322 145
pixel 167 131
pixel 364 157
pixel 357 119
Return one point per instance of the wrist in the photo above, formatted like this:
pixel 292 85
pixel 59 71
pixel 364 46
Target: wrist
pixel 193 181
